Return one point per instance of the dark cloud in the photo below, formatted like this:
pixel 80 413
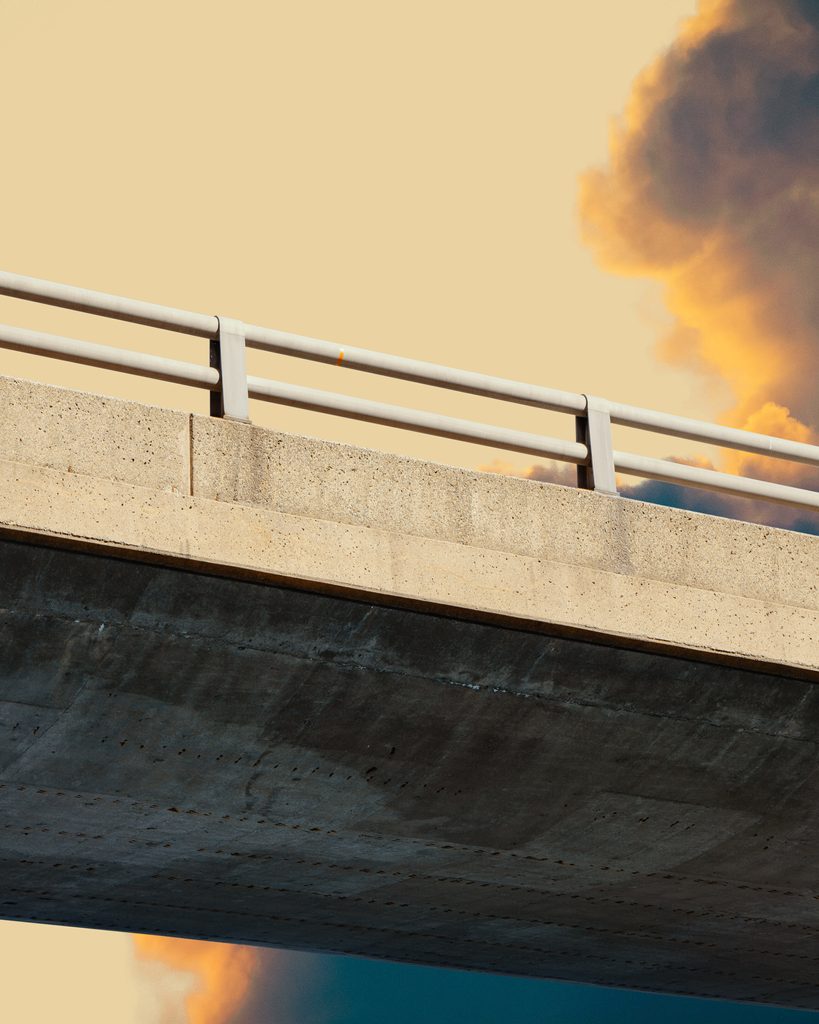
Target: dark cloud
pixel 711 503
pixel 808 10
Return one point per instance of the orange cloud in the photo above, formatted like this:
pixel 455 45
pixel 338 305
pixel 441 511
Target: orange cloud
pixel 222 973
pixel 712 189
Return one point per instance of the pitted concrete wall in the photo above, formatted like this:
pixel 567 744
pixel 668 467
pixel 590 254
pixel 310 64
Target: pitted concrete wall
pixel 240 499
pixel 74 432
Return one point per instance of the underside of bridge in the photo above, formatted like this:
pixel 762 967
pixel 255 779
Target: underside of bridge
pixel 225 759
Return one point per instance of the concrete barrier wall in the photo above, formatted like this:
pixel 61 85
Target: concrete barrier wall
pixel 238 499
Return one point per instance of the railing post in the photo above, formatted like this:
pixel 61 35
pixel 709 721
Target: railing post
pixel 594 430
pixel 227 355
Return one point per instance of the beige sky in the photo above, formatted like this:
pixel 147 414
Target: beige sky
pixel 399 176
pixel 67 975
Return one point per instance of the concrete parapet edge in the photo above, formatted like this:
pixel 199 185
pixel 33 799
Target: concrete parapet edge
pixel 237 499
pixel 364 561
pixel 305 476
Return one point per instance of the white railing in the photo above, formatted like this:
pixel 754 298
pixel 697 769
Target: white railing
pixel 230 387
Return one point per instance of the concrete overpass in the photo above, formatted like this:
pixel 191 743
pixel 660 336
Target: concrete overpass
pixel 267 689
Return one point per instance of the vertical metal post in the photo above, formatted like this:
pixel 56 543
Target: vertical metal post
pixel 227 355
pixel 594 430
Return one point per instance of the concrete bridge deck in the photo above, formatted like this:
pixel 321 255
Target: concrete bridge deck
pixel 268 689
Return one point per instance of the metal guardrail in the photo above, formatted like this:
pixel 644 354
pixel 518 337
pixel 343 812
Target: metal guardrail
pixel 230 387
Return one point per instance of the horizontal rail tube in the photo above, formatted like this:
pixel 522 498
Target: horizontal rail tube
pixel 411 419
pixel 416 370
pixel 711 480
pixel 300 346
pixel 396 366
pixel 101 303
pixel 713 433
pixel 108 358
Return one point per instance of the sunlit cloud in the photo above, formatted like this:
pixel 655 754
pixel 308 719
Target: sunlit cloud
pixel 193 982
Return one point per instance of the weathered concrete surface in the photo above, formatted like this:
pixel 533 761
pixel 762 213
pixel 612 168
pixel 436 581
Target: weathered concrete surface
pixel 355 521
pixel 225 759
pixel 554 733
pixel 94 436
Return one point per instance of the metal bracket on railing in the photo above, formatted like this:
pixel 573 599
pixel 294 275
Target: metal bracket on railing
pixel 227 355
pixel 594 430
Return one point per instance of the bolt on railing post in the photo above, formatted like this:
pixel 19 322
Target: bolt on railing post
pixel 594 430
pixel 227 355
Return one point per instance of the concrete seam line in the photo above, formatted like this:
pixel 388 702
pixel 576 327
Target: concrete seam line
pixel 190 455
